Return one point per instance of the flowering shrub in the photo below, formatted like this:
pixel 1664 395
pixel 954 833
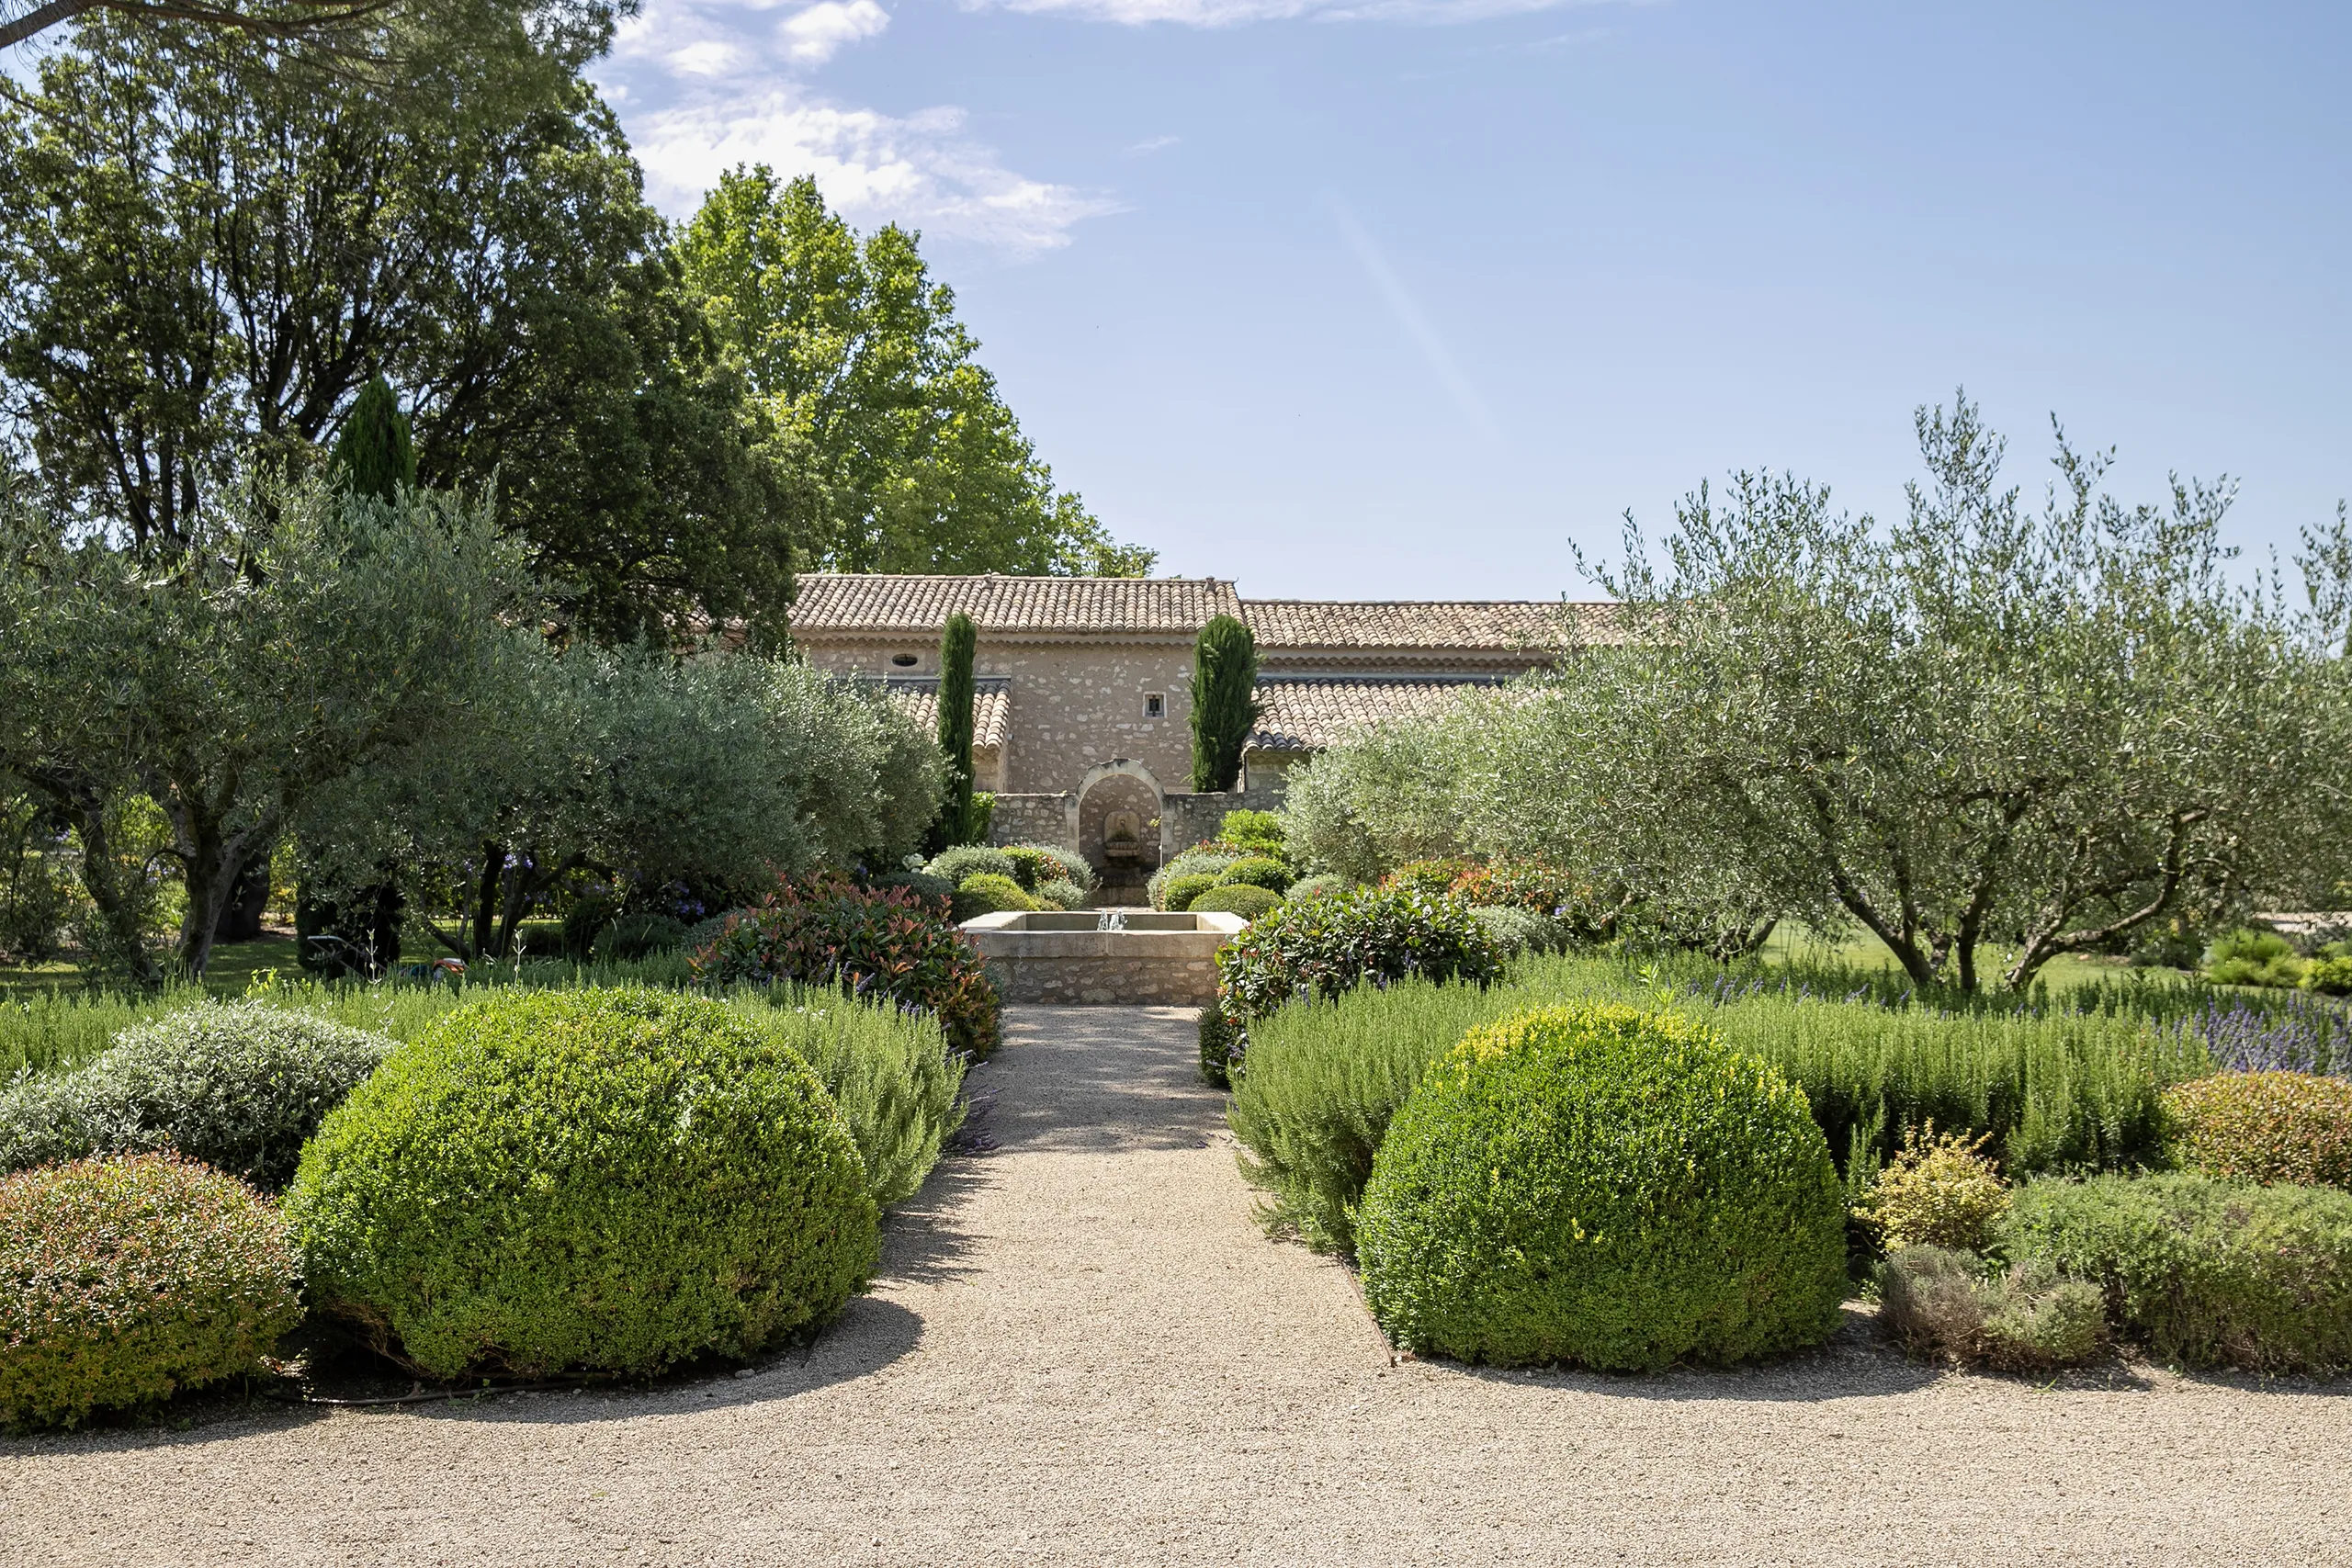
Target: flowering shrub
pixel 1327 945
pixel 887 942
pixel 2265 1127
pixel 1940 1191
pixel 123 1280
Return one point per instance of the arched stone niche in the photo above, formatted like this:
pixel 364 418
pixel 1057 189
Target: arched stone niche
pixel 1117 789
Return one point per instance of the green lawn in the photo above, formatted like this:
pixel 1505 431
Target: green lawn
pixel 1794 944
pixel 234 964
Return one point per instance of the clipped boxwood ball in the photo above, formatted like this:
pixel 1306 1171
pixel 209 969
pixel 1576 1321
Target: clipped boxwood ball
pixel 126 1280
pixel 1606 1186
pixel 618 1180
pixel 1241 898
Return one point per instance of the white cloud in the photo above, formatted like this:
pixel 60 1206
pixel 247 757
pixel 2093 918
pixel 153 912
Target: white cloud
pixel 1153 144
pixel 707 57
pixel 815 35
pixel 918 169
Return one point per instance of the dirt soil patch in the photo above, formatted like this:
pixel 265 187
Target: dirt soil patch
pixel 1080 1351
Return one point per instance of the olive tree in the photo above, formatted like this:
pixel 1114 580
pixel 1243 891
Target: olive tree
pixel 1987 724
pixel 298 638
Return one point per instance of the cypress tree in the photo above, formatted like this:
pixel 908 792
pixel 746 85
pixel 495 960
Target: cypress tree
pixel 1225 705
pixel 374 451
pixel 956 651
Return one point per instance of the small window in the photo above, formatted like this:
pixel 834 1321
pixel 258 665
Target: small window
pixel 1155 705
pixel 904 661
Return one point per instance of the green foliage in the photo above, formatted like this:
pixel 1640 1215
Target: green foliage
pixel 1218 1039
pixel 2265 1127
pixel 1060 894
pixel 1606 1186
pixel 1035 864
pixel 2249 957
pixel 1323 886
pixel 634 936
pixel 956 647
pixel 300 640
pixel 618 1180
pixel 2330 975
pixel 238 1086
pixel 1225 705
pixel 1257 871
pixel 886 943
pixel 1254 833
pixel 585 918
pixel 1333 944
pixel 2206 1272
pixel 124 1281
pixel 2023 1318
pixel 1179 892
pixel 906 457
pixel 1201 860
pixel 183 297
pixel 1245 899
pixel 1940 1191
pixel 36 884
pixel 890 1074
pixel 1430 878
pixel 374 451
pixel 954 865
pixel 983 892
pixel 1322 1079
pixel 983 813
pixel 1515 931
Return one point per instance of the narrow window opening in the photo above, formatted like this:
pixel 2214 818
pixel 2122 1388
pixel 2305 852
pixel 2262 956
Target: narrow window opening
pixel 1155 705
pixel 904 661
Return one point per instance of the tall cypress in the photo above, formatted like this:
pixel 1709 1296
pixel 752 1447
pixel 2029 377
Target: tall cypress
pixel 1225 705
pixel 374 450
pixel 956 647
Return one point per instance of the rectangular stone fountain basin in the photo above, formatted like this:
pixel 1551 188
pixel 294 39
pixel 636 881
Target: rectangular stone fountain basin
pixel 1081 957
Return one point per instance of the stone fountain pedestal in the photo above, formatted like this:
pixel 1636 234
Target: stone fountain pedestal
pixel 1109 957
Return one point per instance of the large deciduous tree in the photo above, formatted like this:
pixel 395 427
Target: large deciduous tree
pixel 905 455
pixel 209 251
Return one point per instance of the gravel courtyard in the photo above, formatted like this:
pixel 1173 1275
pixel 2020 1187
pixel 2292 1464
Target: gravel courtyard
pixel 1082 1351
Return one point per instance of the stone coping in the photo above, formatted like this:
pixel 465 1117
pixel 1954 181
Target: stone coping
pixel 1075 934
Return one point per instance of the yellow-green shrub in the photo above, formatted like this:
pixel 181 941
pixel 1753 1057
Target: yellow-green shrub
pixel 124 1281
pixel 2264 1126
pixel 1940 1191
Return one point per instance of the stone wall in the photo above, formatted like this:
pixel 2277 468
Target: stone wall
pixel 1107 982
pixel 1031 819
pixel 1073 704
pixel 1186 819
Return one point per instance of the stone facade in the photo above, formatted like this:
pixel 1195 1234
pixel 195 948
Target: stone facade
pixel 1086 701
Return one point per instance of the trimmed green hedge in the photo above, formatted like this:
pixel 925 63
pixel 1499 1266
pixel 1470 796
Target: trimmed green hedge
pixel 124 1281
pixel 1245 899
pixel 1258 871
pixel 2264 1126
pixel 983 892
pixel 1605 1185
pixel 2206 1272
pixel 618 1180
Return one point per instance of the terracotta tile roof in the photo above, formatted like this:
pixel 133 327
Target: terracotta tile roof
pixel 1453 625
pixel 918 697
pixel 831 602
pixel 1310 713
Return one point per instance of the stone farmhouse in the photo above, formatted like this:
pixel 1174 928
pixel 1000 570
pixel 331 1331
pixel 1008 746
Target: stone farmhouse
pixel 1081 721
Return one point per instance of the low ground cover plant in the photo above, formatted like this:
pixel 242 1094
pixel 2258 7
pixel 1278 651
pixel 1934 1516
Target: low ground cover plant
pixel 614 1180
pixel 239 1086
pixel 1951 1305
pixel 2265 1127
pixel 123 1280
pixel 2204 1271
pixel 1601 1184
pixel 886 943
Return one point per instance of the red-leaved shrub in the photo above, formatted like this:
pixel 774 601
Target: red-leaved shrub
pixel 825 930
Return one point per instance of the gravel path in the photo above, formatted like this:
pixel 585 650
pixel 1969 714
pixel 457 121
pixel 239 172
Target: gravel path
pixel 1080 1351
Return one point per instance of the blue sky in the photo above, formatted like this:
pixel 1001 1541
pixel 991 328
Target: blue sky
pixel 1401 297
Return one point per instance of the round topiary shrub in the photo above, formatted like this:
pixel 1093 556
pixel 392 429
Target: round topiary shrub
pixel 1605 1185
pixel 1327 945
pixel 2264 1127
pixel 620 1179
pixel 124 1281
pixel 237 1085
pixel 954 865
pixel 1181 891
pixel 1325 886
pixel 1241 898
pixel 1060 894
pixel 1258 871
pixel 984 894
